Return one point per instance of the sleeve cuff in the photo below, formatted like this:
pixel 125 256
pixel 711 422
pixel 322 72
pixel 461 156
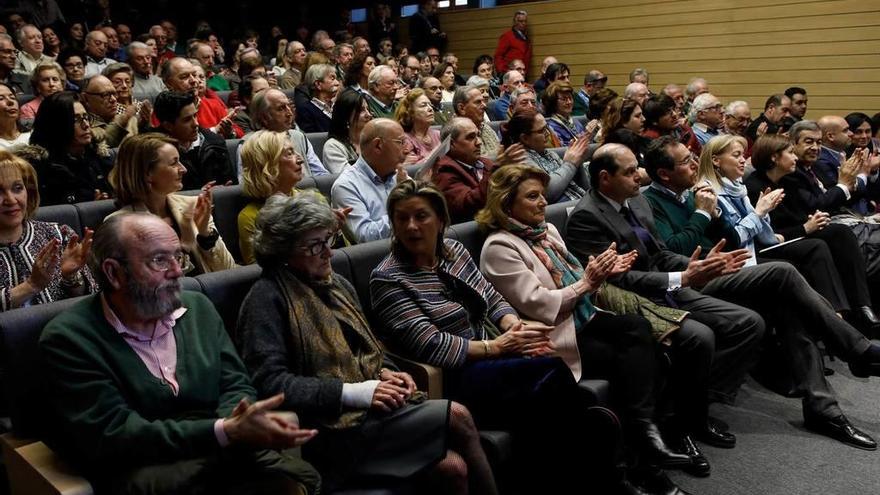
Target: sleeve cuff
pixel 701 212
pixel 220 433
pixel 674 281
pixel 359 395
pixel 845 190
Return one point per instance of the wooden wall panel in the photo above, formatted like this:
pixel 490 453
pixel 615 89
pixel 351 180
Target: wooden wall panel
pixel 746 49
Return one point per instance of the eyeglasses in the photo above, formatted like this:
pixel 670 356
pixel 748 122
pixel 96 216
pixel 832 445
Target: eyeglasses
pixel 81 119
pixel 9 51
pixel 163 262
pixel 402 142
pixel 315 248
pixel 74 65
pixel 542 130
pixel 691 158
pixel 107 95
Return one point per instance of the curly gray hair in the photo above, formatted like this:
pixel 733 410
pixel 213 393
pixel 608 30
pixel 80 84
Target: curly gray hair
pixel 283 220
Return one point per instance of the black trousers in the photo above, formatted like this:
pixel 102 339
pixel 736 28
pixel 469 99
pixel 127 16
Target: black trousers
pixel 800 315
pixel 844 247
pixel 621 349
pixel 814 261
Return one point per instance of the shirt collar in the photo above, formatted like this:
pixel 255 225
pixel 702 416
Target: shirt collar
pixel 368 171
pixel 323 106
pixel 198 142
pixel 614 204
pixel 385 107
pixel 163 325
pixel 703 127
pixel 681 198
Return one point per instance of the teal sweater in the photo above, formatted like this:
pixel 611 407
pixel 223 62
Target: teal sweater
pixel 113 412
pixel 683 229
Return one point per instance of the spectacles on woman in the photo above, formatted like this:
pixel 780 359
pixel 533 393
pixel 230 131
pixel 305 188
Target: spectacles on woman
pixel 316 247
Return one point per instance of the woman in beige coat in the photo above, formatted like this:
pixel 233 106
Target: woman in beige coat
pixel 526 260
pixel 146 176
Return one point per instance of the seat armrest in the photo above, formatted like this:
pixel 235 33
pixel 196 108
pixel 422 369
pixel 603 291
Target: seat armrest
pixel 428 378
pixel 34 469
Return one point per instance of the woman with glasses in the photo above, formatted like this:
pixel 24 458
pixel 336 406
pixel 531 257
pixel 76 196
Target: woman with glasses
pixel 47 79
pixel 568 177
pixel 302 332
pixel 10 134
pixel 40 262
pixel 78 165
pixel 558 102
pixel 146 177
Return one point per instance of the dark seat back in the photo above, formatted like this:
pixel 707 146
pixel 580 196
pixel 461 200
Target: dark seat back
pixel 324 183
pixel 227 289
pixel 228 203
pixel 362 259
pixel 232 151
pixel 93 213
pixel 317 139
pixel 60 214
pixel 558 214
pixel 470 236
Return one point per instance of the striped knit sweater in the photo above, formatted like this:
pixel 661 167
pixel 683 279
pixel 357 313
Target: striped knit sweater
pixel 423 317
pixel 17 258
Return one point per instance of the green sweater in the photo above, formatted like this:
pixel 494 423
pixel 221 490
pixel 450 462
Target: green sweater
pixel 682 228
pixel 113 412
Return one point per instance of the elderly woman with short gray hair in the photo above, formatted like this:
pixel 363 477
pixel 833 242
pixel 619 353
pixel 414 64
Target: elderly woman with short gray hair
pixel 302 332
pixel 314 115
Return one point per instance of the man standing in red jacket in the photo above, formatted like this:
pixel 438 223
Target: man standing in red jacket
pixel 514 44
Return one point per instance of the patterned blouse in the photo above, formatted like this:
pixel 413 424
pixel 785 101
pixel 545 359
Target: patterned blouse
pixel 17 258
pixel 430 315
pixel 565 129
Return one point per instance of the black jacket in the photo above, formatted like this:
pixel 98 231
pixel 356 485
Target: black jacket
pixel 206 162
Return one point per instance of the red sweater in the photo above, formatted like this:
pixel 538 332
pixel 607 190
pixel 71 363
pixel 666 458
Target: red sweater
pixel 510 48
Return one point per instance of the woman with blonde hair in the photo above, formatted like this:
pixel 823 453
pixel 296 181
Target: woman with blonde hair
pixel 416 115
pixel 40 262
pixel 722 166
pixel 270 165
pixel 146 177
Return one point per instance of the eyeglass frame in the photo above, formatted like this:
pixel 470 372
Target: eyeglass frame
pixel 180 257
pixel 316 247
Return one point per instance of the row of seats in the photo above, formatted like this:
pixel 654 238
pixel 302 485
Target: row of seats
pixel 20 330
pixel 228 202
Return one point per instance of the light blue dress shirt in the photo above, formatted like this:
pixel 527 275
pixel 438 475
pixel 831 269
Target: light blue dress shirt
pixel 366 193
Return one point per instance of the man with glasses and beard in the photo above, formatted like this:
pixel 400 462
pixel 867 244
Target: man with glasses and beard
pixel 139 415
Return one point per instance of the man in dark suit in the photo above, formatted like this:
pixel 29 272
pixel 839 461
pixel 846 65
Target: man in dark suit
pixel 717 344
pixel 314 115
pixel 776 109
pixel 424 28
pixel 836 137
pixel 615 211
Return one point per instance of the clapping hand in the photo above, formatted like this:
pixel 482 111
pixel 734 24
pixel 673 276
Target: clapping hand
pixel 257 425
pixel 45 265
pixel 202 209
pixel 768 201
pixel 76 254
pixel 511 155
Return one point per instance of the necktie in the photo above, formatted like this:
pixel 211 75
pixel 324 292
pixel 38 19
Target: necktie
pixel 640 231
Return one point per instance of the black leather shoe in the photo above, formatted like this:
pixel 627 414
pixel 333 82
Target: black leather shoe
pixel 699 464
pixel 713 436
pixel 865 320
pixel 627 488
pixel 653 480
pixel 653 449
pixel 840 429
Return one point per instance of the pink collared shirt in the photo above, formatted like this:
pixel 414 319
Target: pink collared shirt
pixel 158 353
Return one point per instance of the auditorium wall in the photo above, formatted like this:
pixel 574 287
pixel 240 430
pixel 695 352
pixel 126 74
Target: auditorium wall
pixel 746 49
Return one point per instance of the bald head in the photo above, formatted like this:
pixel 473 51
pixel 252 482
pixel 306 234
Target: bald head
pixel 383 145
pixel 836 133
pixel 96 44
pixel 179 74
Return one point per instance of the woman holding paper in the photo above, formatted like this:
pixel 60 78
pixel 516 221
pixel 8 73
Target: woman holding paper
pixel 722 164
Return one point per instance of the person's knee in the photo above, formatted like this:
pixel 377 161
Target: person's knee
pixel 694 336
pixel 453 470
pixel 461 422
pixel 637 330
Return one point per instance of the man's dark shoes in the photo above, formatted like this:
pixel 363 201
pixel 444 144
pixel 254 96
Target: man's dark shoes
pixel 700 467
pixel 712 435
pixel 653 450
pixel 865 320
pixel 868 364
pixel 840 429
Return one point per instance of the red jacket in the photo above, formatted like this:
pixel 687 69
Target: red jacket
pixel 510 48
pixel 465 196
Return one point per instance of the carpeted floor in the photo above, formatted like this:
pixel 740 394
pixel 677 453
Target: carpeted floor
pixel 775 455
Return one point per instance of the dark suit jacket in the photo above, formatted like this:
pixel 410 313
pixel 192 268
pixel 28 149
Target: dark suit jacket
pixel 789 217
pixel 464 195
pixel 594 225
pixel 827 166
pixel 310 118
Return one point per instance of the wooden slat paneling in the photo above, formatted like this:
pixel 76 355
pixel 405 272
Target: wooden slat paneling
pixel 746 49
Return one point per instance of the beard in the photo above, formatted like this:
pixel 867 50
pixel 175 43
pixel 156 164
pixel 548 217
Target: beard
pixel 154 302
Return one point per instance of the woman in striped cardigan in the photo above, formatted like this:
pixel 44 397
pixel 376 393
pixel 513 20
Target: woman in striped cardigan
pixel 435 306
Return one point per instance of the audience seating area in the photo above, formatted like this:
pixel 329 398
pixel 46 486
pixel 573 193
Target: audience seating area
pixel 35 469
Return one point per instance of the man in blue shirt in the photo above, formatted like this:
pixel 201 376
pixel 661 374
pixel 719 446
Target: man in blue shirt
pixel 364 187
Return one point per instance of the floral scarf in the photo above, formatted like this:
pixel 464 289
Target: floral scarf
pixel 562 265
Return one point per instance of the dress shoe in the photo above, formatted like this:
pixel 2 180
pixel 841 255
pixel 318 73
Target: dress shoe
pixel 654 481
pixel 868 364
pixel 712 435
pixel 841 429
pixel 718 423
pixel 653 450
pixel 627 488
pixel 684 444
pixel 865 320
